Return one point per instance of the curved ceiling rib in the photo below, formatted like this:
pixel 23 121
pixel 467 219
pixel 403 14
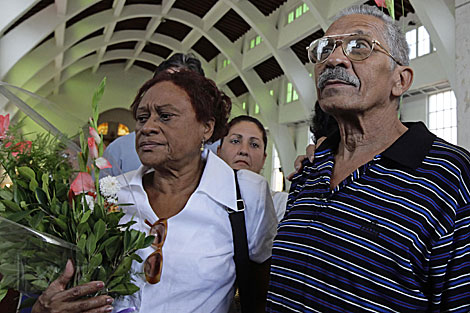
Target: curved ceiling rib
pixel 254 84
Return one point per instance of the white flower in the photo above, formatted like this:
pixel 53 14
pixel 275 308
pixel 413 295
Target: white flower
pixel 109 186
pixel 90 201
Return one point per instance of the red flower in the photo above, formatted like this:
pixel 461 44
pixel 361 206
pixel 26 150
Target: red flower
pixel 92 147
pixel 83 184
pixel 4 124
pixel 20 147
pixel 381 3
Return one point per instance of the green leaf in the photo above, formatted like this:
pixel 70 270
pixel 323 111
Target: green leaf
pixel 124 267
pixel 27 172
pixel 85 217
pixel 6 194
pixel 96 99
pixel 102 274
pixel 8 269
pixel 125 289
pixel 91 244
pixel 96 260
pixel 12 205
pixel 111 246
pixel 115 281
pixel 99 229
pixel 390 7
pixel 18 216
pixel 45 185
pixel 3 293
pixel 33 184
pixel 59 222
pixel 127 239
pixel 136 257
pixel 41 284
pixel 41 197
pixel 37 218
pixel 82 242
pixel 148 241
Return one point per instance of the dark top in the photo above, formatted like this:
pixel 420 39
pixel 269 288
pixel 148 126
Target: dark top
pixel 392 237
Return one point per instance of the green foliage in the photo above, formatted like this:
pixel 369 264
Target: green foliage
pixel 38 198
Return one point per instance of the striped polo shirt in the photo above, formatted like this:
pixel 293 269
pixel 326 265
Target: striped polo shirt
pixel 392 237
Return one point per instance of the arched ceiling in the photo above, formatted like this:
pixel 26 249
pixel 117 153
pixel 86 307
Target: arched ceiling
pixel 45 43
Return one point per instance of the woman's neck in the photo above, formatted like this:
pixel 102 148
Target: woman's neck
pixel 169 189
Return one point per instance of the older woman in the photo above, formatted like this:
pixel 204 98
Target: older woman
pixel 182 195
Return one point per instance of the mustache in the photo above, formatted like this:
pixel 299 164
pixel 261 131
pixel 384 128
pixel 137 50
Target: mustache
pixel 337 73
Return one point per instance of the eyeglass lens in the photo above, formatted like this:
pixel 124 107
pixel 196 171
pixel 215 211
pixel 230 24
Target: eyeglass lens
pixel 154 262
pixel 355 47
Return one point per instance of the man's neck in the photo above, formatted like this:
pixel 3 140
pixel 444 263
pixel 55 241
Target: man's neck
pixel 362 138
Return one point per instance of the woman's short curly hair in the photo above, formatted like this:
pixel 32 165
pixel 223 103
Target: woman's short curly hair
pixel 207 100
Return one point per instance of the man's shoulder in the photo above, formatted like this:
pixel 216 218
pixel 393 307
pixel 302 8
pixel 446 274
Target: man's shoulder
pixel 448 152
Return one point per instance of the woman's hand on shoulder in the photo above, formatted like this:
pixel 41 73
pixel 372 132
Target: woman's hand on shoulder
pixel 309 153
pixel 58 299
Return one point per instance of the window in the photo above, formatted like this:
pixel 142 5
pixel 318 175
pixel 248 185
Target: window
pixel 291 94
pixel 122 130
pixel 277 177
pixel 244 105
pixel 255 41
pixel 419 42
pixel 297 12
pixel 442 115
pixel 271 92
pixel 290 17
pixel 103 128
pixel 257 109
pixel 225 63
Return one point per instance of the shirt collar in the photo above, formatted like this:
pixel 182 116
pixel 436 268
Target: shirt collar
pixel 409 149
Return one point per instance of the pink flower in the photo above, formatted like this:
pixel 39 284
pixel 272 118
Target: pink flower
pixel 92 147
pixel 83 183
pixel 4 124
pixel 20 147
pixel 102 163
pixel 381 3
pixel 95 135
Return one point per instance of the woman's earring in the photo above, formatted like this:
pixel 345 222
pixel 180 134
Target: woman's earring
pixel 202 145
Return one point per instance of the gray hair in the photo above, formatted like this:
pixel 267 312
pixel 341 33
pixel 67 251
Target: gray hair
pixel 394 36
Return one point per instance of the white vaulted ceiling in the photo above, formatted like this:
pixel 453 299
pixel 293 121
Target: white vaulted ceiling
pixel 53 47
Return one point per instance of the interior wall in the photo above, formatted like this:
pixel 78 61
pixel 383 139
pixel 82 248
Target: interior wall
pixel 76 94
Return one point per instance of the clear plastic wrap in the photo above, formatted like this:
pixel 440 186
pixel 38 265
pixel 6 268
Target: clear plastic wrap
pixel 31 260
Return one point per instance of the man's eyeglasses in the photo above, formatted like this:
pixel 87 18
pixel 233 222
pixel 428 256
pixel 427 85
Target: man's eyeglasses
pixel 154 262
pixel 356 47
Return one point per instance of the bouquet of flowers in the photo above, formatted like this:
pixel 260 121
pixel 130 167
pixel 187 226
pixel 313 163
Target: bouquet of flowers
pixel 47 218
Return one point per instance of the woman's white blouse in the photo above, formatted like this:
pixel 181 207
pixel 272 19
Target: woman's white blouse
pixel 198 271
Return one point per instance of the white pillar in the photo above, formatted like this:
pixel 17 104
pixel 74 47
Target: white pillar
pixel 462 65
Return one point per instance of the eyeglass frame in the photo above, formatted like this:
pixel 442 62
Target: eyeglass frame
pixel 373 41
pixel 158 250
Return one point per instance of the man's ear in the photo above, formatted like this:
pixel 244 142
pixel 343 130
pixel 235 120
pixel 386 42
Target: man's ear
pixel 403 80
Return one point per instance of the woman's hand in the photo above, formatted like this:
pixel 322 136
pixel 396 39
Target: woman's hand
pixel 309 153
pixel 57 299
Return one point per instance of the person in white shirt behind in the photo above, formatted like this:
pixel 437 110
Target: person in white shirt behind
pixel 244 147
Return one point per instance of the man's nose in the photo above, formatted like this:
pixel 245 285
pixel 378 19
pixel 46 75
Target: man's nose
pixel 337 57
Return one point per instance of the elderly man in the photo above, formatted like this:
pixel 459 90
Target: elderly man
pixel 380 220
